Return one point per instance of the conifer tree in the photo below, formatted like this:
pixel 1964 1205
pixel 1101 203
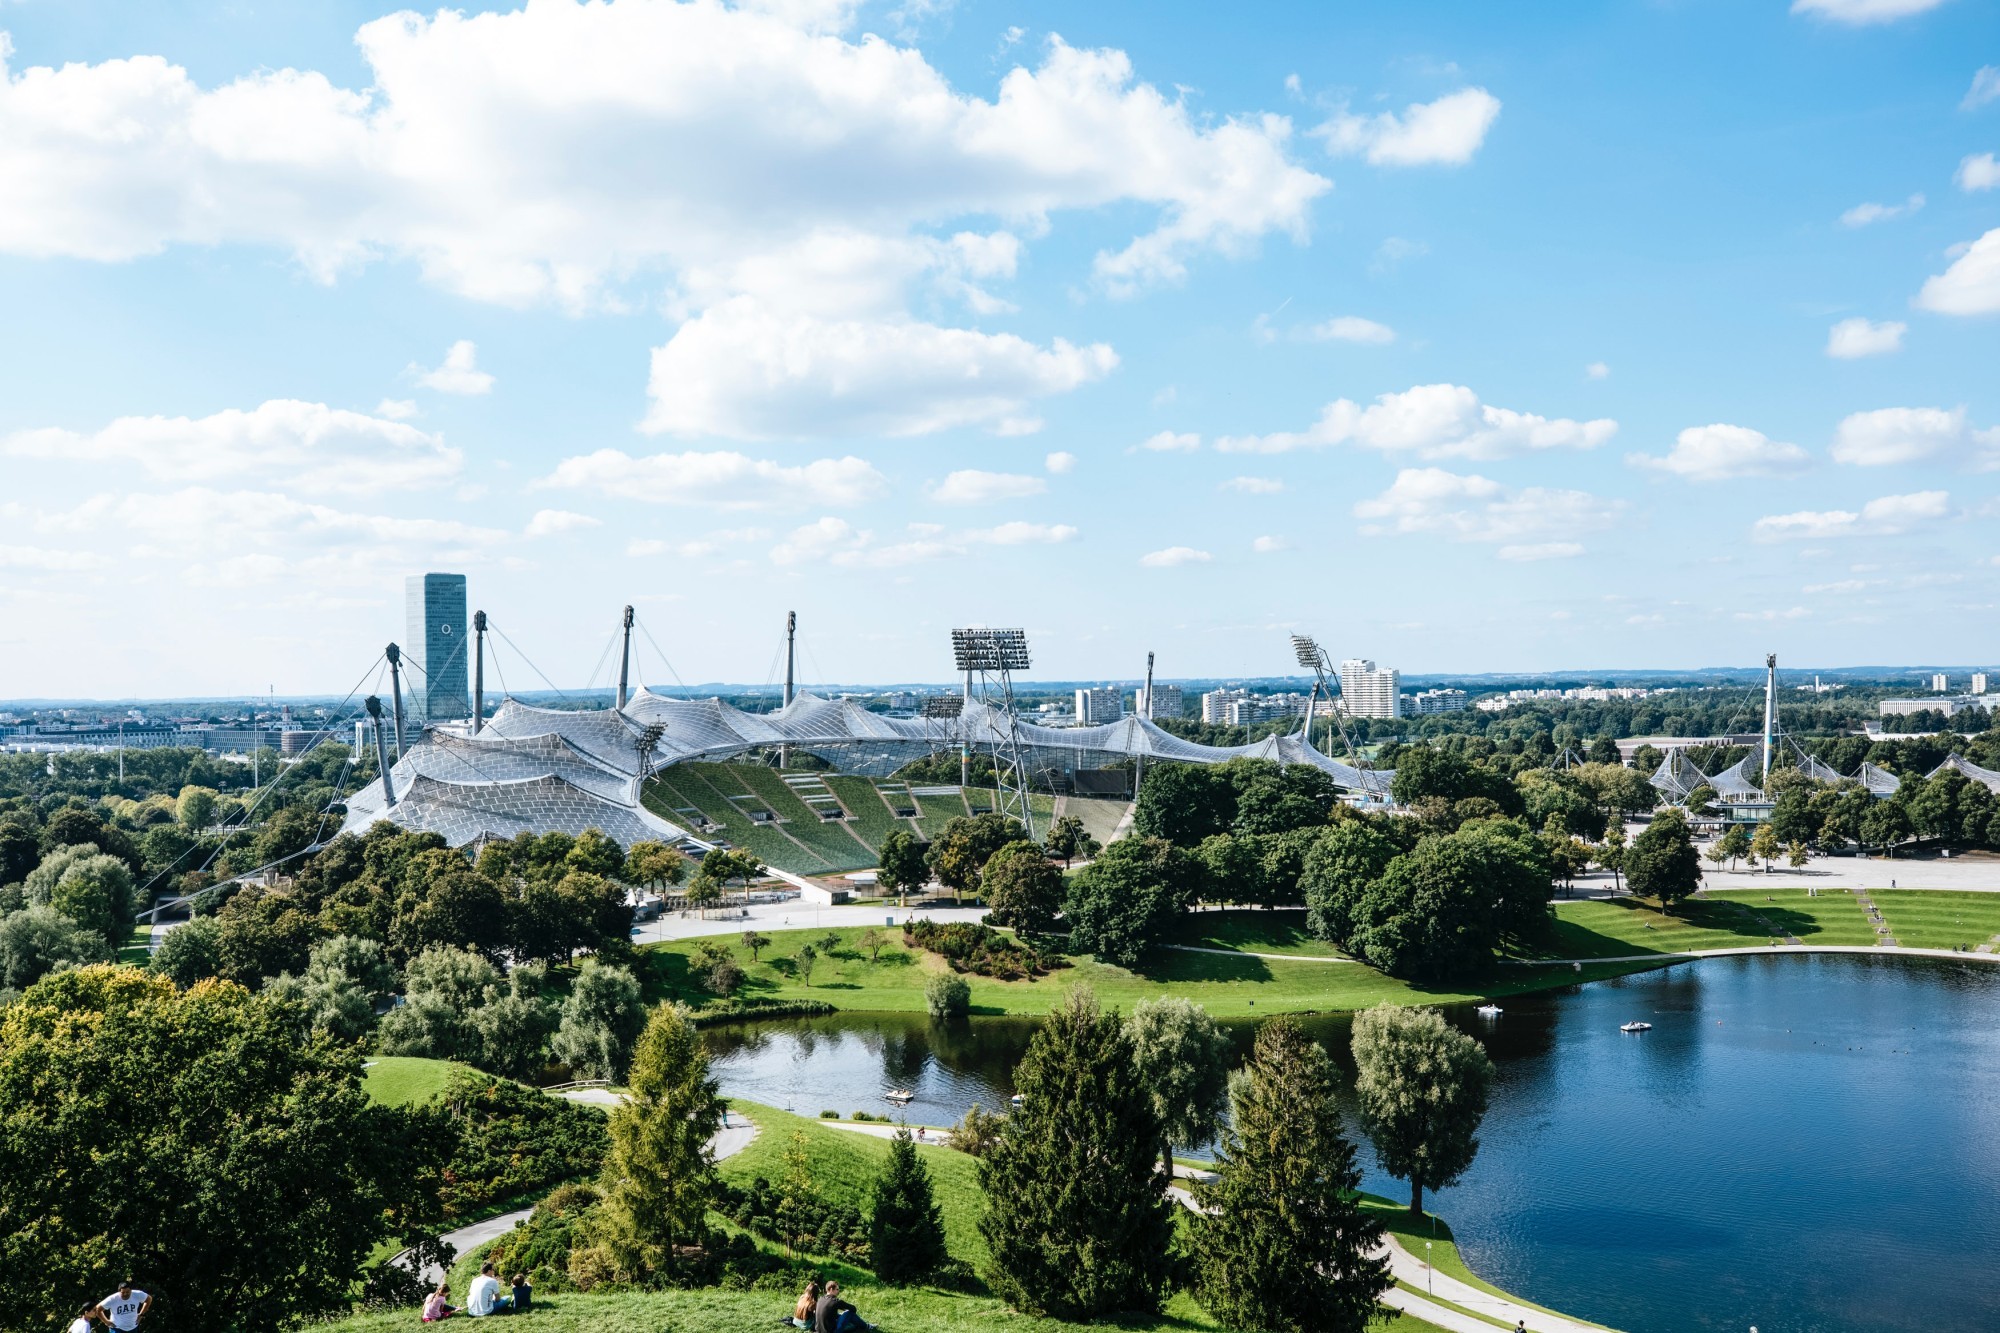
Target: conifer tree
pixel 906 1231
pixel 1281 1242
pixel 1077 1217
pixel 659 1179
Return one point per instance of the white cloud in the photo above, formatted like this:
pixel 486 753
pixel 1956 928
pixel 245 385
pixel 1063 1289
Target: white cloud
pixel 970 486
pixel 1172 556
pixel 1597 370
pixel 1471 508
pixel 698 547
pixel 1889 516
pixel 1431 421
pixel 1863 11
pixel 1861 215
pixel 1019 533
pixel 1892 436
pixel 1792 613
pixel 1978 172
pixel 459 372
pixel 1060 463
pixel 1390 255
pixel 1449 130
pixel 1541 551
pixel 555 522
pixel 1721 452
pixel 396 409
pixel 1351 329
pixel 44 560
pixel 1852 339
pixel 747 371
pixel 307 446
pixel 556 151
pixel 1270 545
pixel 1254 485
pixel 1171 442
pixel 1971 286
pixel 722 479
pixel 1985 88
pixel 836 542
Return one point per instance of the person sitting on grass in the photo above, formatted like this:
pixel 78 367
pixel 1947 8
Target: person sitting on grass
pixel 835 1315
pixel 808 1306
pixel 438 1305
pixel 524 1293
pixel 485 1298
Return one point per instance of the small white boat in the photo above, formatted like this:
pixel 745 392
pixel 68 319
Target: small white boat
pixel 1018 1100
pixel 899 1096
pixel 1489 1011
pixel 1635 1027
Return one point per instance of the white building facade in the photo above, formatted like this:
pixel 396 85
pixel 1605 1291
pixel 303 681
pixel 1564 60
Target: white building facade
pixel 1368 692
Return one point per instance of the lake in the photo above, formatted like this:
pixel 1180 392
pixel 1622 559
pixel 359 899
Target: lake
pixel 1805 1144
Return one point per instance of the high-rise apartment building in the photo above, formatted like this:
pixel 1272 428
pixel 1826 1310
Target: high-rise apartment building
pixel 1979 682
pixel 1940 684
pixel 436 648
pixel 1096 706
pixel 1215 704
pixel 1436 701
pixel 1165 701
pixel 1366 692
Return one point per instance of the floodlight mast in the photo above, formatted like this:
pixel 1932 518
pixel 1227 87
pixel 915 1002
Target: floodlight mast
pixel 994 655
pixel 1314 658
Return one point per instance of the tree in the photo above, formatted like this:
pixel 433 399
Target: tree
pixel 264 1179
pixel 961 852
pixel 1077 1222
pixel 1280 1241
pixel 343 979
pixel 1069 839
pixel 902 864
pixel 443 900
pixel 755 943
pixel 1662 863
pixel 188 954
pixel 1734 844
pixel 947 995
pixel 195 808
pixel 1344 861
pixel 704 891
pixel 1796 856
pixel 1122 904
pixel 1184 803
pixel 593 853
pixel 1441 909
pixel 1023 889
pixel 36 941
pixel 1182 1056
pixel 1765 845
pixel 873 941
pixel 443 989
pixel 1885 825
pixel 600 1020
pixel 1232 868
pixel 803 963
pixel 654 864
pixel 905 1225
pixel 1611 853
pixel 88 887
pixel 659 1178
pixel 1421 1085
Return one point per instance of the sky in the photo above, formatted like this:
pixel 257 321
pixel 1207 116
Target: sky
pixel 1465 337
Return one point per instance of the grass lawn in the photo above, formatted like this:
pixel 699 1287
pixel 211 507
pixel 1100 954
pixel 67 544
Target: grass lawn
pixel 138 945
pixel 1246 931
pixel 1239 987
pixel 1412 1233
pixel 1937 918
pixel 1601 928
pixel 401 1080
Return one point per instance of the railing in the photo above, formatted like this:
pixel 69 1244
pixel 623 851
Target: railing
pixel 575 1084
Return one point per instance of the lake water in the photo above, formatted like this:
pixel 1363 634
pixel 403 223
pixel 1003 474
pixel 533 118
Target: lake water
pixel 1805 1144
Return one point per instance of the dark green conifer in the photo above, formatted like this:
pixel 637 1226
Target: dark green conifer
pixel 1077 1218
pixel 906 1232
pixel 1281 1242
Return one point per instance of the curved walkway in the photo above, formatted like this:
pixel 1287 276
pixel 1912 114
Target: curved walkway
pixel 1690 955
pixel 1273 957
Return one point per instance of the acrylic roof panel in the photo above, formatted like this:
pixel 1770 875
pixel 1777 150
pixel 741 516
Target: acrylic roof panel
pixel 463 812
pixel 1985 776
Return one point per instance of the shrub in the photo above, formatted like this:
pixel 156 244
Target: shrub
pixel 829 1115
pixel 948 996
pixel 971 947
pixel 514 1140
pixel 836 1230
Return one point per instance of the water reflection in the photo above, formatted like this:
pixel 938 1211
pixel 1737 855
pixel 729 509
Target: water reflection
pixel 1783 1149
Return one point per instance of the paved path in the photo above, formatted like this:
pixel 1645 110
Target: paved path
pixel 1410 1267
pixel 732 1138
pixel 791 915
pixel 1274 957
pixel 1692 954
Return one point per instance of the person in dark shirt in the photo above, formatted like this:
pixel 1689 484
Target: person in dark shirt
pixel 524 1293
pixel 835 1315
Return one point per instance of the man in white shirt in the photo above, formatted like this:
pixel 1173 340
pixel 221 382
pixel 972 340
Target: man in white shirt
pixel 484 1298
pixel 125 1307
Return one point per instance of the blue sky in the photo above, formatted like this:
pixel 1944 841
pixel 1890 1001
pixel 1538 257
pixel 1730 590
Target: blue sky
pixel 1467 337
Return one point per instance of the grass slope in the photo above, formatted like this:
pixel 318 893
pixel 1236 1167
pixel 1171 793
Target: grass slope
pixel 1731 919
pixel 872 817
pixel 1244 931
pixel 402 1080
pixel 829 841
pixel 1230 987
pixel 1100 815
pixel 1937 918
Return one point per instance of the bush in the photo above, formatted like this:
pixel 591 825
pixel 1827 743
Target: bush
pixel 829 1115
pixel 971 947
pixel 836 1230
pixel 948 996
pixel 514 1140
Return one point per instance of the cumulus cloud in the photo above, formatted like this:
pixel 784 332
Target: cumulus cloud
pixel 1971 286
pixel 1862 215
pixel 1254 485
pixel 1721 452
pixel 45 560
pixel 1060 463
pixel 1172 556
pixel 970 486
pixel 459 372
pixel 1020 533
pixel 1350 329
pixel 1471 508
pixel 1851 339
pixel 396 409
pixel 747 371
pixel 555 522
pixel 1172 442
pixel 721 479
pixel 1978 171
pixel 1597 370
pixel 1449 131
pixel 1863 11
pixel 835 541
pixel 1892 436
pixel 1889 516
pixel 1985 88
pixel 1431 421
pixel 306 446
pixel 1270 545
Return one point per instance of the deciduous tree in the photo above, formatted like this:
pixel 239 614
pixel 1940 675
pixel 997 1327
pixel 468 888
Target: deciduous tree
pixel 1022 889
pixel 1422 1087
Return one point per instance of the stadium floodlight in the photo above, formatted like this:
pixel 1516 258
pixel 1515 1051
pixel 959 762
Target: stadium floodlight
pixel 990 649
pixel 943 705
pixel 1311 655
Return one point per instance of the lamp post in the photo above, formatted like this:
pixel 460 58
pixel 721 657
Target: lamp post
pixel 1429 1287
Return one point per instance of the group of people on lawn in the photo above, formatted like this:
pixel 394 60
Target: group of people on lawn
pixel 483 1299
pixel 121 1310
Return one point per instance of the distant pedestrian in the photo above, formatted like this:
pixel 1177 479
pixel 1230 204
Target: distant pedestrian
pixel 125 1307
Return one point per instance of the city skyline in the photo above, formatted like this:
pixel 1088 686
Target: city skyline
pixel 1470 342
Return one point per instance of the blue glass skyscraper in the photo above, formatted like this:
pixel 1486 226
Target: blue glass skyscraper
pixel 437 648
